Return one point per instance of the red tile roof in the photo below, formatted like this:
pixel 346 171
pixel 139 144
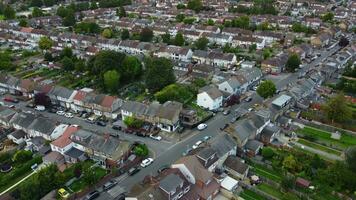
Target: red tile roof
pixel 80 95
pixel 108 101
pixel 26 30
pixel 64 140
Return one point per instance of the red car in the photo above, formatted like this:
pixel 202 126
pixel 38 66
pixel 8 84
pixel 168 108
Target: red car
pixel 10 99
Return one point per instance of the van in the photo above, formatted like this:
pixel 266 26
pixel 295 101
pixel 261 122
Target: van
pixel 40 108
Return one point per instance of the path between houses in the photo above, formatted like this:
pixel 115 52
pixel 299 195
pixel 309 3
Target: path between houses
pixel 319 152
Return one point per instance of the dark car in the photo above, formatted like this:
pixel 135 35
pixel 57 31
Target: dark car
pixel 161 169
pixel 92 195
pixel 248 99
pixel 110 184
pixel 100 123
pixel 140 134
pixel 117 127
pixel 224 127
pixel 132 171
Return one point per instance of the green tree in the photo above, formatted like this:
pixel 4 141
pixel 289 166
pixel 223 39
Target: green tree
pixel 288 182
pixel 69 19
pixel 317 162
pixel 179 39
pixel 80 66
pixel 266 89
pixel 66 52
pixel 241 22
pixel 210 22
pixel 125 34
pixel 195 5
pixel 141 150
pixel 6 61
pixel 131 68
pixel 23 22
pixel 37 12
pixel 174 92
pixel 9 12
pixel 181 6
pixel 159 73
pixel 49 2
pixel 36 3
pixel 267 153
pixel 180 17
pixel 166 38
pixel 121 12
pixel 146 35
pixel 336 109
pixel 189 20
pixel 87 28
pixel 62 11
pixel 293 63
pixel 107 33
pixel 201 43
pixel 22 156
pixel 290 164
pixel 67 64
pixel 133 122
pixel 45 43
pixel 89 176
pixel 266 53
pixel 111 80
pixel 328 17
pixel 252 48
pixel 48 57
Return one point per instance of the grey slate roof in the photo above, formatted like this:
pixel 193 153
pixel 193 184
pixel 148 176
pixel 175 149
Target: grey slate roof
pixel 253 145
pixel 23 119
pixel 235 164
pixel 206 153
pixel 60 91
pixel 170 183
pixel 18 134
pixel 74 152
pixel 43 125
pixel 223 143
pixel 212 91
pixel 134 107
pixel 244 129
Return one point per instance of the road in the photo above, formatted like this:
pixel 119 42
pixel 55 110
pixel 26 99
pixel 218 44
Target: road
pixel 167 152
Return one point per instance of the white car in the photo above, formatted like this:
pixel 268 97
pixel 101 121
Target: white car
pixel 158 138
pixel 40 108
pixel 69 115
pixel 250 109
pixel 197 144
pixel 202 127
pixel 60 112
pixel 146 162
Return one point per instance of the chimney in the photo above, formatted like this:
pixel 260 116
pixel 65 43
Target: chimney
pixel 106 136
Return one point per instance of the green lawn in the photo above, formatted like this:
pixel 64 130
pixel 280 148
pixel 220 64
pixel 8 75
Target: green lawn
pixel 324 137
pixel 250 195
pixel 270 190
pixel 319 147
pixel 80 184
pixel 267 173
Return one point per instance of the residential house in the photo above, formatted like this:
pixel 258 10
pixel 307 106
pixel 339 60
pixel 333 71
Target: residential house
pixel 246 42
pixel 18 136
pixel 236 167
pixel 208 158
pixel 209 97
pixel 64 143
pixel 22 121
pixel 61 96
pixel 321 40
pixel 231 86
pixel 55 158
pixel 6 115
pixel 225 146
pixel 253 147
pixel 175 53
pixel 46 128
pixel 269 133
pixel 248 77
pixel 204 186
pixel 217 38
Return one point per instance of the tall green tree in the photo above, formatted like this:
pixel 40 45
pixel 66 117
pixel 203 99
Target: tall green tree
pixel 69 18
pixel 111 80
pixel 180 17
pixel 159 73
pixel 23 22
pixel 37 12
pixel 166 38
pixel 195 5
pixel 336 109
pixel 66 52
pixel 125 34
pixel 179 39
pixel 67 64
pixel 266 89
pixel 328 17
pixel 146 35
pixel 9 12
pixel 201 43
pixel 45 43
pixel 107 33
pixel 121 12
pixel 131 68
pixel 293 63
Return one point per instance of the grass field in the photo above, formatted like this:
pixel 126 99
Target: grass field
pixel 267 173
pixel 250 195
pixel 270 190
pixel 319 147
pixel 80 184
pixel 324 137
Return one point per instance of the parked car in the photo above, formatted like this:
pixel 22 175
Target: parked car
pixel 187 152
pixel 197 144
pixel 117 127
pixel 30 105
pixel 132 171
pixel 69 115
pixel 226 112
pixel 224 127
pixel 10 99
pixel 40 108
pixel 101 123
pixel 92 195
pixel 91 120
pixel 250 109
pixel 234 119
pixel 202 127
pixel 158 138
pixel 60 112
pixel 248 99
pixel 110 184
pixel 146 162
pixel 162 168
pixel 206 138
pixel 63 193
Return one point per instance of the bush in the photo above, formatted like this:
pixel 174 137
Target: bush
pixel 267 153
pixel 132 122
pixel 141 150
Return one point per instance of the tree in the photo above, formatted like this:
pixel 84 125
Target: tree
pixel 141 150
pixel 201 43
pixel 45 43
pixel 42 99
pixel 80 66
pixel 62 11
pixel 336 109
pixel 49 3
pixel 174 92
pixel 107 33
pixel 48 57
pixel 67 64
pixel 36 3
pixel 267 153
pixel 189 20
pixel 343 41
pixel 293 63
pixel 87 28
pixel 181 6
pixel 195 5
pixel 266 53
pixel 241 22
pixel 89 176
pixel 36 12
pixel 166 38
pixel 66 52
pixel 22 156
pixel 133 122
pixel 69 19
pixel 266 89
pixel 111 81
pixel 288 182
pixel 180 17
pixel 159 73
pixel 210 22
pixel 9 12
pixel 121 12
pixel 131 68
pixel 317 162
pixel 327 17
pixel 125 34
pixel 6 61
pixel 290 164
pixel 252 48
pixel 23 22
pixel 179 39
pixel 146 35
pixel 351 158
